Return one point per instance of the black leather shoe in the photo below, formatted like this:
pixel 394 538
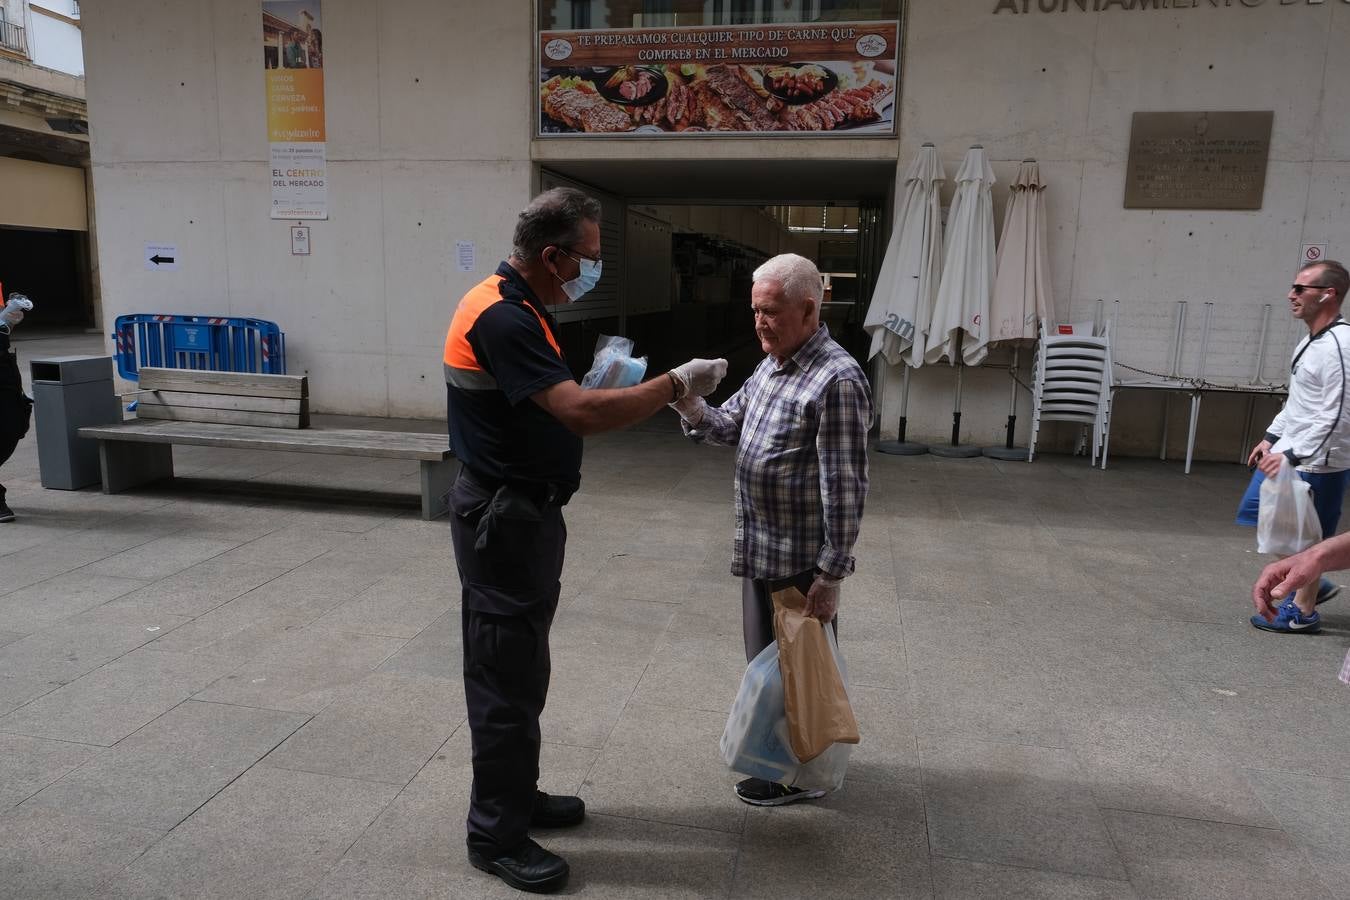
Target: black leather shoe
pixel 527 868
pixel 557 811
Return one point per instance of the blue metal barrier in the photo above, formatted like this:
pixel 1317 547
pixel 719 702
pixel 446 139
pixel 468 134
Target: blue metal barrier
pixel 216 344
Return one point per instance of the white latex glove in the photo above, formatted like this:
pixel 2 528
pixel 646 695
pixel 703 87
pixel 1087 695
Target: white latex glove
pixel 822 599
pixel 691 408
pixel 699 376
pixel 9 318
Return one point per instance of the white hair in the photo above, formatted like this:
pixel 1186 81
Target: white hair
pixel 796 276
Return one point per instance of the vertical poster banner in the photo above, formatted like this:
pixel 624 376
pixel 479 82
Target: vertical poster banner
pixel 293 60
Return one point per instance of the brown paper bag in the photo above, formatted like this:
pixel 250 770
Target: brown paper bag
pixel 818 711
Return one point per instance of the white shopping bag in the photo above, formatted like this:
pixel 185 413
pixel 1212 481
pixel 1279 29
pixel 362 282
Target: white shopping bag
pixel 755 741
pixel 1287 520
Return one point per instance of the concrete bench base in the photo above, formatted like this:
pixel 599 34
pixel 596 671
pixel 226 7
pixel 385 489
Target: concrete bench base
pixel 137 453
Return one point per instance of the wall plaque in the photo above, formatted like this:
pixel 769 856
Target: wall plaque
pixel 1198 160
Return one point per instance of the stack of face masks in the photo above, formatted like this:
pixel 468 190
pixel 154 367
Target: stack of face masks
pixel 13 311
pixel 614 365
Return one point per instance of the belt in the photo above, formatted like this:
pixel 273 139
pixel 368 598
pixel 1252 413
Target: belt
pixel 787 581
pixel 543 493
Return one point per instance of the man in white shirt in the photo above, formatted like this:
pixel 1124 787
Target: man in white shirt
pixel 1312 431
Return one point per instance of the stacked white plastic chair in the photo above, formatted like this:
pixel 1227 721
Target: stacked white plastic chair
pixel 1073 384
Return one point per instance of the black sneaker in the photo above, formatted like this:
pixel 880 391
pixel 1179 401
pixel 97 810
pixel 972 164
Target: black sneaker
pixel 527 868
pixel 758 792
pixel 557 811
pixel 6 514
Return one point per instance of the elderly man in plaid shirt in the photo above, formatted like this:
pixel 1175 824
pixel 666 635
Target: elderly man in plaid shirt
pixel 799 425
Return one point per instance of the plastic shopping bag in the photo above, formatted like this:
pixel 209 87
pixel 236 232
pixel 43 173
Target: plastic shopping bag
pixel 755 741
pixel 1287 520
pixel 815 700
pixel 614 365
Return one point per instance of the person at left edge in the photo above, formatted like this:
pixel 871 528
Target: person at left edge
pixel 516 421
pixel 16 410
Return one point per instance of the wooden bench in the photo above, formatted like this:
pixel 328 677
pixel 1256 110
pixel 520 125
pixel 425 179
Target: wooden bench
pixel 248 411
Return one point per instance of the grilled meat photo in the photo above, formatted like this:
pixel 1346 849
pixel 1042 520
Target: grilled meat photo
pixel 721 97
pixel 586 110
pixel 853 106
pixel 729 83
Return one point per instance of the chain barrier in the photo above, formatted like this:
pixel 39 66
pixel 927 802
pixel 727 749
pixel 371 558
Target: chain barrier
pixel 1202 384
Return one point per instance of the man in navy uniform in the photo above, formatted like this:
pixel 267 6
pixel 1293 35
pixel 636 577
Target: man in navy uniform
pixel 516 419
pixel 16 409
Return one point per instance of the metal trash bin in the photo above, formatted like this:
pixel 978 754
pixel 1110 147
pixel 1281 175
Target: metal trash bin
pixel 69 392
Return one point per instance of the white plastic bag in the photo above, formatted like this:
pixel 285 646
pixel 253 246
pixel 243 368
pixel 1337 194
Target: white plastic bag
pixel 1287 520
pixel 755 741
pixel 614 365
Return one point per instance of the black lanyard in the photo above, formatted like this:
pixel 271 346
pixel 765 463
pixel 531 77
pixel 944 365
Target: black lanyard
pixel 1293 366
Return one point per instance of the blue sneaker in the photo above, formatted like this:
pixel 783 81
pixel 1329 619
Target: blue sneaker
pixel 1327 590
pixel 1290 620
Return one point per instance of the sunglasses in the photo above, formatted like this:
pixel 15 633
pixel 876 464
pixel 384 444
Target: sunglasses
pixel 1298 289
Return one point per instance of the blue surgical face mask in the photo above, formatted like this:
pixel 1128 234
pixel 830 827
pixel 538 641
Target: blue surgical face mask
pixel 586 280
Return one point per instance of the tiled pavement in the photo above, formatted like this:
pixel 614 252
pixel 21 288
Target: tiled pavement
pixel 215 691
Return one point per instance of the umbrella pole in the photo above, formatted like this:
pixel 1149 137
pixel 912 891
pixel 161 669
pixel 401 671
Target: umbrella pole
pixel 957 450
pixel 904 407
pixel 956 411
pixel 903 447
pixel 1008 452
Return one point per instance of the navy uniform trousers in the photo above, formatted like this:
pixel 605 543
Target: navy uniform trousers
pixel 15 408
pixel 509 590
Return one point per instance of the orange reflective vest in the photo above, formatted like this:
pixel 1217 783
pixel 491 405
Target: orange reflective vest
pixel 459 358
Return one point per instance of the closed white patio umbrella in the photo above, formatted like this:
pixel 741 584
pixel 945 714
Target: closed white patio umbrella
pixel 907 284
pixel 1022 295
pixel 959 328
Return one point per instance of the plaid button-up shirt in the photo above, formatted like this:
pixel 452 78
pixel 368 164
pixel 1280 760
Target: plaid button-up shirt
pixel 800 432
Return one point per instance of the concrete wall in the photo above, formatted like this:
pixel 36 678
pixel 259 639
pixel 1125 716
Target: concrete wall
pixel 428 144
pixel 40 195
pixel 1061 87
pixel 21 72
pixel 429 113
pixel 54 40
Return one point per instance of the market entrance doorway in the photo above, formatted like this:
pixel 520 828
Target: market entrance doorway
pixel 678 269
pixel 50 266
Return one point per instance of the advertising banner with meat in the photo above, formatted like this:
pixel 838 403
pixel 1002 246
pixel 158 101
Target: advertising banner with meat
pixel 298 151
pixel 810 79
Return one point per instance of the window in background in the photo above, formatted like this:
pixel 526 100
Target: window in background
pixel 563 14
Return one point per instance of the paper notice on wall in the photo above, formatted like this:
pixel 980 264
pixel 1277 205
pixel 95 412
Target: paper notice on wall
pixel 161 257
pixel 293 60
pixel 464 256
pixel 299 181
